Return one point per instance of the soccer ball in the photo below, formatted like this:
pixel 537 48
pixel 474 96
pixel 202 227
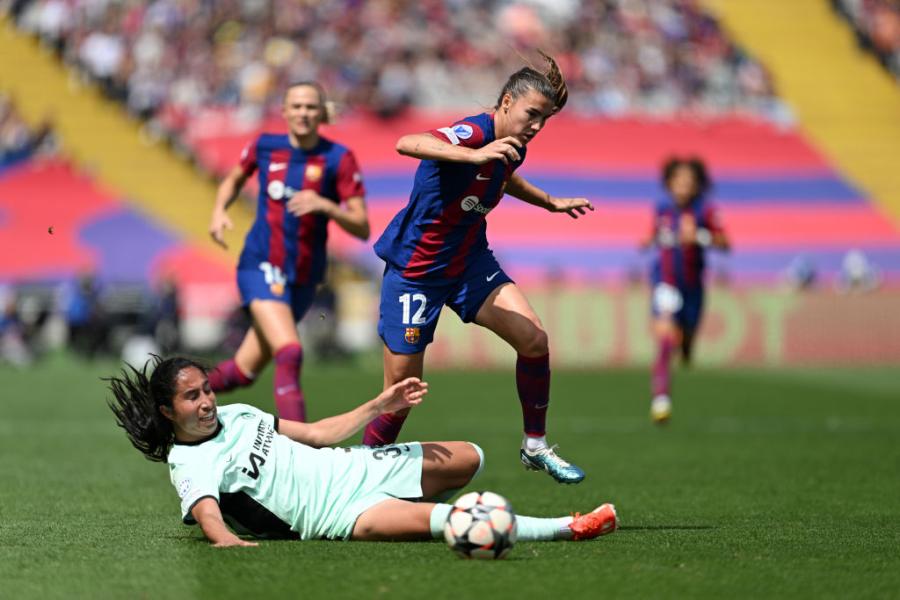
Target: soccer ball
pixel 481 525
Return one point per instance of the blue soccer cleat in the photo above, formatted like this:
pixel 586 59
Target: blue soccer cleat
pixel 546 459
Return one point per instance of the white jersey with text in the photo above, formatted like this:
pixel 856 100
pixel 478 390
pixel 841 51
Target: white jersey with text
pixel 271 486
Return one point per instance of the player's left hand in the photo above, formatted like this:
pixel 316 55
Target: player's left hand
pixel 574 207
pixel 306 202
pixel 403 394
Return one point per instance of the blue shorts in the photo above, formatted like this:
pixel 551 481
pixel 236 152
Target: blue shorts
pixel 410 308
pixel 684 304
pixel 258 284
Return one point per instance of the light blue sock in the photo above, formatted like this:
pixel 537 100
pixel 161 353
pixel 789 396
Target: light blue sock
pixel 439 515
pixel 530 529
pixel 543 529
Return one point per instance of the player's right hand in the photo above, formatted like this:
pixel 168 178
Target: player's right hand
pixel 220 222
pixel 505 149
pixel 403 394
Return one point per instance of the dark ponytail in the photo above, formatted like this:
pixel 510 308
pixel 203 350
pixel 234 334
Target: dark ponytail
pixel 550 84
pixel 137 398
pixel 557 81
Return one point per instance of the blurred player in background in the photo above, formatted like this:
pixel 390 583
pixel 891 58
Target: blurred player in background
pixel 436 252
pixel 685 225
pixel 269 477
pixel 305 180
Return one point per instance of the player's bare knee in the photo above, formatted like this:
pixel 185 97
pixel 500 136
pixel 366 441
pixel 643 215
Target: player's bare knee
pixel 536 343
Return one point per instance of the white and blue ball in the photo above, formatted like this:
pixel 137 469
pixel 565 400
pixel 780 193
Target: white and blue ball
pixel 481 525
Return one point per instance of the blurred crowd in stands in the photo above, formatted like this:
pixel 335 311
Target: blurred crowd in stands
pixel 92 318
pixel 101 319
pixel 166 59
pixel 877 27
pixel 18 140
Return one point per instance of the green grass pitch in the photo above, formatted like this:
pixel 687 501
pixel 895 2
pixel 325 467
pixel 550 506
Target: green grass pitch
pixel 766 484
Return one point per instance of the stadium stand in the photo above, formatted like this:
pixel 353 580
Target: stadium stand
pixel 19 141
pixel 621 56
pixel 877 27
pixel 792 213
pixel 848 104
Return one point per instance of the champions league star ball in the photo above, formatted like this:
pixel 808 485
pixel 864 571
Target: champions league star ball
pixel 481 525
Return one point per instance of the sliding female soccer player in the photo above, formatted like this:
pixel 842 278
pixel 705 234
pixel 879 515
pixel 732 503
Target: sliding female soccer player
pixel 685 224
pixel 437 254
pixel 270 477
pixel 305 180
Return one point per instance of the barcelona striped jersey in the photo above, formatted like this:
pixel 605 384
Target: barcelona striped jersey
pixel 295 245
pixel 443 229
pixel 678 264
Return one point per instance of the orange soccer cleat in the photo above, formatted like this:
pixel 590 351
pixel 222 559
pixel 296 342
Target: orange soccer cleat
pixel 600 521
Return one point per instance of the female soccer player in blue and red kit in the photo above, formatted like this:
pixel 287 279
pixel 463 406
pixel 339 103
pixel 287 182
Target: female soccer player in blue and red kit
pixel 305 180
pixel 685 224
pixel 436 252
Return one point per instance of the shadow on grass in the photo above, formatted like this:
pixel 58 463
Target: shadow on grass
pixel 665 527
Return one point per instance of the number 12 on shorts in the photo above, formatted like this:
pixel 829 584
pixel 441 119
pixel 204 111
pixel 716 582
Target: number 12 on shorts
pixel 407 300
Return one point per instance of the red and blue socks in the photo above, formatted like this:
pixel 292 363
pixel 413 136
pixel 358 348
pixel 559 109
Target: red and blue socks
pixel 533 385
pixel 661 375
pixel 228 376
pixel 384 429
pixel 289 401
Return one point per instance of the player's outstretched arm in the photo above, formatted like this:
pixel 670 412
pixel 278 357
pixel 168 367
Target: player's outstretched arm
pixel 526 191
pixel 332 430
pixel 425 146
pixel 226 193
pixel 206 512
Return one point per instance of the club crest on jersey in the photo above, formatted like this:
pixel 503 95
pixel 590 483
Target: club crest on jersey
pixel 463 132
pixel 412 335
pixel 313 173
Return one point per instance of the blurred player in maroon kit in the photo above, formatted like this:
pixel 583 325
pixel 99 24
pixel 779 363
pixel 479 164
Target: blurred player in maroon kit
pixel 305 180
pixel 685 225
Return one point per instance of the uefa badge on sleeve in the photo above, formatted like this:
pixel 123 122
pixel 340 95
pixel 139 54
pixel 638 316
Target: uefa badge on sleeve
pixel 412 335
pixel 277 289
